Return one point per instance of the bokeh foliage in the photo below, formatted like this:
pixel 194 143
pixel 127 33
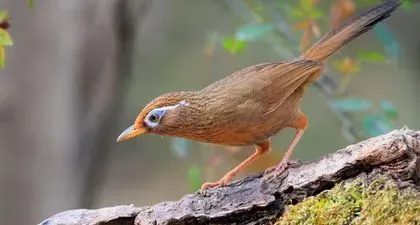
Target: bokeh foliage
pixel 5 38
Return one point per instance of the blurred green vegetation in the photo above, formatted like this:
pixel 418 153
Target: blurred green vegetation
pixel 5 38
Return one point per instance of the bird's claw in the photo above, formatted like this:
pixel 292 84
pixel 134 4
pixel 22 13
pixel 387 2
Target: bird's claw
pixel 269 170
pixel 281 167
pixel 219 183
pixel 275 171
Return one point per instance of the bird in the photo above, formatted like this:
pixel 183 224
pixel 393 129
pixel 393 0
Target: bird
pixel 252 104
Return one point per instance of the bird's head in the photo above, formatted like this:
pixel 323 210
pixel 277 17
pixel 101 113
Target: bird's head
pixel 164 115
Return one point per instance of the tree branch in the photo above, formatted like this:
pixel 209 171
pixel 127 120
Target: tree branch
pixel 258 200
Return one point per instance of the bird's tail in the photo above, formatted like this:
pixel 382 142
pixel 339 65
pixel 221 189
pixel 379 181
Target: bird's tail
pixel 349 30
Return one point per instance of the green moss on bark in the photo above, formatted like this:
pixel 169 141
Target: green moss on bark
pixel 358 202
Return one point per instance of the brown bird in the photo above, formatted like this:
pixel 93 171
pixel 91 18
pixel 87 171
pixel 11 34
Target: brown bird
pixel 254 103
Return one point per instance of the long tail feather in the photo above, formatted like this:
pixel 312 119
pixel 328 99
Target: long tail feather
pixel 349 30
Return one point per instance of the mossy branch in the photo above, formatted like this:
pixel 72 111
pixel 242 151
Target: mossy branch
pixel 254 200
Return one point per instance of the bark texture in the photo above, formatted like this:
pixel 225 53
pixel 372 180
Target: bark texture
pixel 261 200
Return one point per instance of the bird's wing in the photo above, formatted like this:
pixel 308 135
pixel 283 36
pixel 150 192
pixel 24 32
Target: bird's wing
pixel 283 80
pixel 261 88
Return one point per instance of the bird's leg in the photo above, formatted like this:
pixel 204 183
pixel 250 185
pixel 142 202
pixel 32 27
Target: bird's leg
pixel 260 149
pixel 300 124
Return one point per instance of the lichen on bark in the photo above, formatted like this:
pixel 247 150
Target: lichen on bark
pixel 360 201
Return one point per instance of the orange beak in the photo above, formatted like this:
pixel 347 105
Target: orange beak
pixel 131 132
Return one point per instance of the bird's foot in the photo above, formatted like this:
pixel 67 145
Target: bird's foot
pixel 269 170
pixel 219 183
pixel 282 167
pixel 275 171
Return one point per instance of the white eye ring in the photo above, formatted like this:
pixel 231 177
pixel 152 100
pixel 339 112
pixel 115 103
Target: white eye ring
pixel 154 117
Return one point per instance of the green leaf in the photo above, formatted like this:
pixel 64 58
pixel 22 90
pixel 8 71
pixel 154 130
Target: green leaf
pixel 4 15
pixel 233 45
pixel 407 4
pixel 5 39
pixel 351 104
pixel 316 13
pixel 297 13
pixel 2 57
pixel 371 56
pixel 375 125
pixel 194 178
pixel 388 109
pixel 252 32
pixel 306 5
pixel 30 3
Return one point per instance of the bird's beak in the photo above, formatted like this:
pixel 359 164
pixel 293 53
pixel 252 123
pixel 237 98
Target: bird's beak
pixel 131 132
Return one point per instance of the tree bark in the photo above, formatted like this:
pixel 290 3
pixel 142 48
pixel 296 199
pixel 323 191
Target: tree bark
pixel 261 200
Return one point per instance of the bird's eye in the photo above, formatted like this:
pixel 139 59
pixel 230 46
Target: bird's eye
pixel 153 118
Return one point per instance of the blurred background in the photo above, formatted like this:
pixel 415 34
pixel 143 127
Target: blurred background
pixel 79 71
